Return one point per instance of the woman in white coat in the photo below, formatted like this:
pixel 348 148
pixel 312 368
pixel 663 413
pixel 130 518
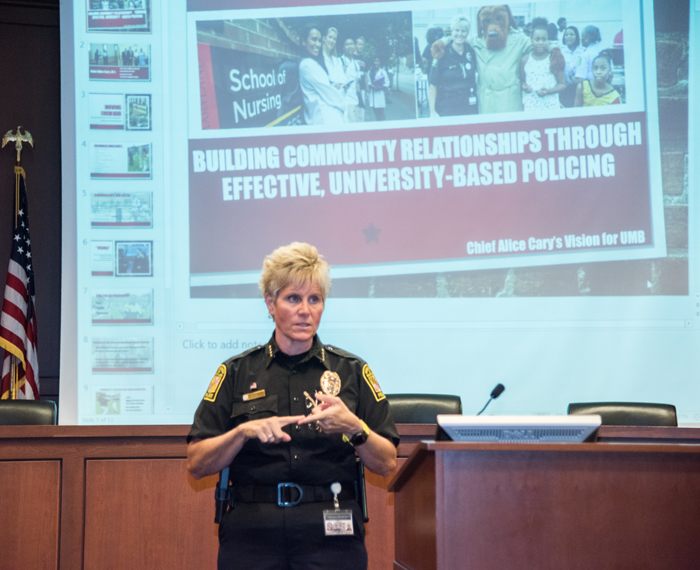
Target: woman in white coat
pixel 323 103
pixel 334 66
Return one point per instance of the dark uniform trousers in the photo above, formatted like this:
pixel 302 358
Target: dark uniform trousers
pixel 265 536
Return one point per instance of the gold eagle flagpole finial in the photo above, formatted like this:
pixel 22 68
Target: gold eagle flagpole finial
pixel 18 139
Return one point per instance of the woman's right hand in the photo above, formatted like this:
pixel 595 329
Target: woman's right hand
pixel 269 430
pixel 207 456
pixel 526 88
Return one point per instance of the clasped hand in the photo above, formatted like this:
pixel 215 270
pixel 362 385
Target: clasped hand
pixel 332 415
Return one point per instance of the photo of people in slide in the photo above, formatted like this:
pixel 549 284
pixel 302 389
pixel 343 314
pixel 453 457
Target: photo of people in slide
pixel 119 16
pixel 134 258
pixel 139 158
pixel 518 57
pixel 120 62
pixel 326 70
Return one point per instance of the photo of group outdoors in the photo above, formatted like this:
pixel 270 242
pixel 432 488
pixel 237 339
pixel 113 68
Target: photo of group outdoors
pixel 119 62
pixel 121 55
pixel 357 68
pixel 119 16
pixel 326 70
pixel 520 57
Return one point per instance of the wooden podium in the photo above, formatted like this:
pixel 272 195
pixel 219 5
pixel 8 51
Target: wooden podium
pixel 599 506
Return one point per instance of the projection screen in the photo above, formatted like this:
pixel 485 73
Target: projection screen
pixel 547 246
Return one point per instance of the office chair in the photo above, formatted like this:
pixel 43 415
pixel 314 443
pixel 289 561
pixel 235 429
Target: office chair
pixel 628 413
pixel 27 413
pixel 422 408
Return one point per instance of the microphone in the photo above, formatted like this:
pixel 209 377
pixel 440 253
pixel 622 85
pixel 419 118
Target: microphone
pixel 495 393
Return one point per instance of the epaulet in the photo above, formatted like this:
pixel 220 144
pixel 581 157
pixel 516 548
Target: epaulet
pixel 340 352
pixel 246 353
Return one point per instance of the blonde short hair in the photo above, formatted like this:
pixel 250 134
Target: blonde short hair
pixel 296 263
pixel 460 20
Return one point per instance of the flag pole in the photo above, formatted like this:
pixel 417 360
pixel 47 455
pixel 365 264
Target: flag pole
pixel 13 377
pixel 18 138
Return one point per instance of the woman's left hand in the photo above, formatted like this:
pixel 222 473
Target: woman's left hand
pixel 377 453
pixel 333 416
pixel 542 92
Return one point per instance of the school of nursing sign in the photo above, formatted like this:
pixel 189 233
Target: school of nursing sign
pixel 247 87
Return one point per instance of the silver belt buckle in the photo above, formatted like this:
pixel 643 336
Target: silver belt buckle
pixel 282 503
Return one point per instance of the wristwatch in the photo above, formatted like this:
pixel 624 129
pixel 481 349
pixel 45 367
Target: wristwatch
pixel 360 437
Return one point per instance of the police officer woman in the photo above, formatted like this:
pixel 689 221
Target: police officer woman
pixel 452 76
pixel 288 418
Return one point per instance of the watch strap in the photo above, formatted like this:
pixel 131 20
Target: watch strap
pixel 360 437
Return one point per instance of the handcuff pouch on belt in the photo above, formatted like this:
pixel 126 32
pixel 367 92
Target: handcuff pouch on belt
pixel 223 495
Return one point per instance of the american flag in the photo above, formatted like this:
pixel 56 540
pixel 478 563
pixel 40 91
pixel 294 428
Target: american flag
pixel 18 320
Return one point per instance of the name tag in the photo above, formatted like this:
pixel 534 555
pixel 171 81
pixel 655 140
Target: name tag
pixel 338 522
pixel 253 395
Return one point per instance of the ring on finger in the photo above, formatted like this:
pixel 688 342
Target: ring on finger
pixel 269 437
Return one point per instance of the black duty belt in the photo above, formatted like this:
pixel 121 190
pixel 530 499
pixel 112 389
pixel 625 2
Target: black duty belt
pixel 290 494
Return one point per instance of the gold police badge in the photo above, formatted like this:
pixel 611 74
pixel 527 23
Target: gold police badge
pixel 330 383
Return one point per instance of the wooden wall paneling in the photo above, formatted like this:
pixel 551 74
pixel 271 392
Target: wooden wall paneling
pixel 29 513
pixel 148 514
pixel 72 511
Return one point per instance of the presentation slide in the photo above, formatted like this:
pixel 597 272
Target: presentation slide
pixel 502 192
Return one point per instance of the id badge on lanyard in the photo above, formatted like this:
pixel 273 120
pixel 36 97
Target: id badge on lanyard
pixel 337 522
